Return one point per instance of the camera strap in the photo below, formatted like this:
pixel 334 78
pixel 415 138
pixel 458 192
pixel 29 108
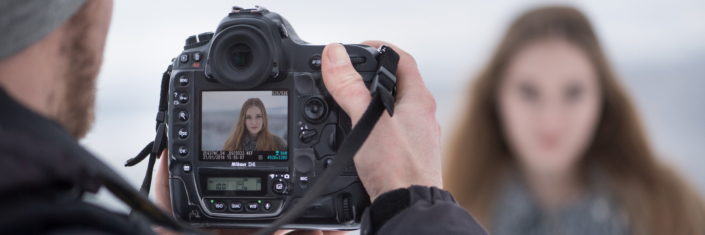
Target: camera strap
pixel 382 89
pixel 154 150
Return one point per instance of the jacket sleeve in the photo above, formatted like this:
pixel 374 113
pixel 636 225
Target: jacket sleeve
pixel 418 210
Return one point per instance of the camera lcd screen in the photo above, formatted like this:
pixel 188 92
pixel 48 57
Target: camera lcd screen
pixel 244 126
pixel 234 183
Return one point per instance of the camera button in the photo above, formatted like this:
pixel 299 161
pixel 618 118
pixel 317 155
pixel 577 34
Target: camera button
pixel 183 98
pixel 183 58
pixel 252 206
pixel 236 206
pixel 187 168
pixel 282 31
pixel 306 136
pixel 183 133
pixel 197 56
pixel 303 163
pixel 183 150
pixel 305 84
pixel 280 186
pixel 327 163
pixel 267 206
pixel 183 80
pixel 219 206
pixel 183 116
pixel 315 62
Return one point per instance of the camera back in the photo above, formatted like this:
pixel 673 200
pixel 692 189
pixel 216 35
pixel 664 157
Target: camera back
pixel 251 127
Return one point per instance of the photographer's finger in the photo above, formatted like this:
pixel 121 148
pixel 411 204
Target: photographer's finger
pixel 161 183
pixel 343 82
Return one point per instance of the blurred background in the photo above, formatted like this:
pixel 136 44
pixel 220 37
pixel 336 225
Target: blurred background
pixel 657 48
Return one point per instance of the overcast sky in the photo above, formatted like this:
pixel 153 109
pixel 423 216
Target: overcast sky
pixel 658 48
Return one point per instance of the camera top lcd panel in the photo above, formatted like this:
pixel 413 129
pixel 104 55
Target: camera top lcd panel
pixel 251 127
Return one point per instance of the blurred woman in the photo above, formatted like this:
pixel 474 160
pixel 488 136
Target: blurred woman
pixel 550 143
pixel 251 132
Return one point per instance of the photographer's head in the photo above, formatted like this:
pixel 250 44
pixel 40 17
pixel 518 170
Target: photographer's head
pixel 50 56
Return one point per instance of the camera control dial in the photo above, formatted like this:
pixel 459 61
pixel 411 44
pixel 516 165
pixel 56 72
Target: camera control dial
pixel 191 40
pixel 204 37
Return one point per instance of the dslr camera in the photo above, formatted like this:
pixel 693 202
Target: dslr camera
pixel 251 127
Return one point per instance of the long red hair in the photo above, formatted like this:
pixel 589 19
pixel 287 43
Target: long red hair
pixel 656 199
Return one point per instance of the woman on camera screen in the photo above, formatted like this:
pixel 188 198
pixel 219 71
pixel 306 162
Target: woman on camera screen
pixel 550 143
pixel 251 132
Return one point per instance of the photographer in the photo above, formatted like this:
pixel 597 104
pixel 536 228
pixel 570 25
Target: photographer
pixel 50 55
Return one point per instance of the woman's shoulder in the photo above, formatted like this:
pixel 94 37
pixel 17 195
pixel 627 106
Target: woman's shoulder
pixel 281 143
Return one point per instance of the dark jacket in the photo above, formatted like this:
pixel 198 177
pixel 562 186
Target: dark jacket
pixel 418 210
pixel 44 172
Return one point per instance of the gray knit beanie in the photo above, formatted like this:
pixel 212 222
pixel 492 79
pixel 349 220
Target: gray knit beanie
pixel 24 22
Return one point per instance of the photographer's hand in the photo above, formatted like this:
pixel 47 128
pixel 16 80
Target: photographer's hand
pixel 162 199
pixel 403 150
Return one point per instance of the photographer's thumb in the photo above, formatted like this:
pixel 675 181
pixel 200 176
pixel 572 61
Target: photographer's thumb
pixel 343 82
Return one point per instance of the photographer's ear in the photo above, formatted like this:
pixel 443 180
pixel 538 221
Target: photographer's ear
pixel 343 82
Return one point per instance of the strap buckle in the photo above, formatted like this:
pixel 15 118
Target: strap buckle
pixel 384 83
pixel 161 117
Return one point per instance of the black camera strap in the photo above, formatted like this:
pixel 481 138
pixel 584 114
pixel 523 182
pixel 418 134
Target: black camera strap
pixel 382 89
pixel 154 150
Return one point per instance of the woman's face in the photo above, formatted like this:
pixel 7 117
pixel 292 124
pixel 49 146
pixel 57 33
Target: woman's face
pixel 254 119
pixel 549 102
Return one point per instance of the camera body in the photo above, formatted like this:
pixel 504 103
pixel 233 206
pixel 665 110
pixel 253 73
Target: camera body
pixel 251 126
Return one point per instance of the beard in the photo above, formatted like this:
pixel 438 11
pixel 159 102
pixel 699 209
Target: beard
pixel 76 97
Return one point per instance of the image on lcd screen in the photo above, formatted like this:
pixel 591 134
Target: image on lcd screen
pixel 244 125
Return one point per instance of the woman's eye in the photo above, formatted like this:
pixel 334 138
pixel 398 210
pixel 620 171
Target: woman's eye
pixel 528 92
pixel 574 93
pixel 248 117
pixel 259 116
